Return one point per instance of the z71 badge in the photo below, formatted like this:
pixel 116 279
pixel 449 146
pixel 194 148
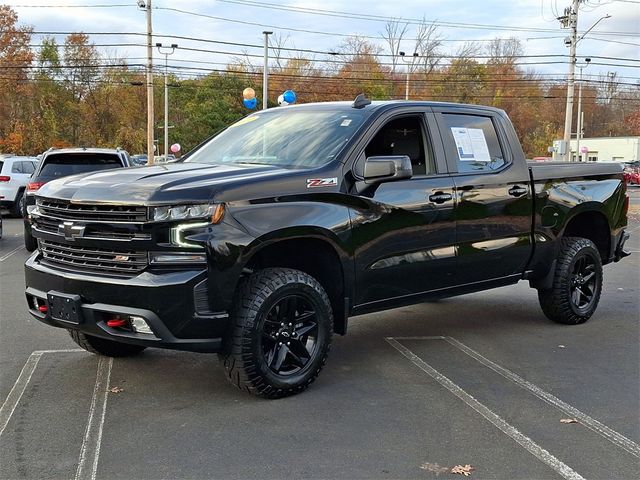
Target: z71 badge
pixel 321 182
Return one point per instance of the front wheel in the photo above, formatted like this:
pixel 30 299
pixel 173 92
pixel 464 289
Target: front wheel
pixel 30 243
pixel 577 283
pixel 101 346
pixel 280 334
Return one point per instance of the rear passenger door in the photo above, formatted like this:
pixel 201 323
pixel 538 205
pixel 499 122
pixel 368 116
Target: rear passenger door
pixel 493 207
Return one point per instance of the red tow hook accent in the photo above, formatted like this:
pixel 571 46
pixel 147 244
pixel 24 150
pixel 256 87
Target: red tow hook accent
pixel 116 323
pixel 43 309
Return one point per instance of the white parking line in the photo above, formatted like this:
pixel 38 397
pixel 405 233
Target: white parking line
pixel 589 422
pixel 90 451
pixel 7 255
pixel 543 455
pixel 20 385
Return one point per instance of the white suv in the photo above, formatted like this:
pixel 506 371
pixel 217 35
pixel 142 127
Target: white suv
pixel 14 176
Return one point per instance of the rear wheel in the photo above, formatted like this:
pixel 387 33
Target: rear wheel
pixel 16 208
pixel 280 335
pixel 104 347
pixel 577 283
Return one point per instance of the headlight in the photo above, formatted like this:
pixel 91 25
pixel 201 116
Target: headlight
pixel 178 234
pixel 187 212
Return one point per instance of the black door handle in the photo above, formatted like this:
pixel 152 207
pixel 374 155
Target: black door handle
pixel 517 191
pixel 440 197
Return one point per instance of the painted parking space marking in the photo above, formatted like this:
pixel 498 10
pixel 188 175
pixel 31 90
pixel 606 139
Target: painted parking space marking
pixel 91 443
pixel 11 402
pixel 532 447
pixel 90 450
pixel 7 255
pixel 589 422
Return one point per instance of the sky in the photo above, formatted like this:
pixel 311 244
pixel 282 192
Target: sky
pixel 243 21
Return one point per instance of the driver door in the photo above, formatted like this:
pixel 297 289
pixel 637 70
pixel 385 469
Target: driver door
pixel 405 230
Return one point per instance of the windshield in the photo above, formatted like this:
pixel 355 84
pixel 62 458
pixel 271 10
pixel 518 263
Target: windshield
pixel 288 138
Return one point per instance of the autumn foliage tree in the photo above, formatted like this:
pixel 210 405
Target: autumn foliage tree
pixel 72 94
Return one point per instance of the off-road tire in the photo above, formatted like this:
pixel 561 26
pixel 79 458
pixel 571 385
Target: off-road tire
pixel 101 346
pixel 30 243
pixel 16 208
pixel 243 354
pixel 557 303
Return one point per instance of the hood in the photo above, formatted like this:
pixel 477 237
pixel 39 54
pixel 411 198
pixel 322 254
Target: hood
pixel 160 184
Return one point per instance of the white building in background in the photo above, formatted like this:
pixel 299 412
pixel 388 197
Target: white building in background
pixel 607 149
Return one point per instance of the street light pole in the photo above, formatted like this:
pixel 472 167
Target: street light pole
pixel 409 65
pixel 265 73
pixel 166 94
pixel 580 117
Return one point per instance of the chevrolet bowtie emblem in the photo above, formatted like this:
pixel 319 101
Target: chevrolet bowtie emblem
pixel 70 231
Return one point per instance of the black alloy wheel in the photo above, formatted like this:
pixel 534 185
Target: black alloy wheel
pixel 289 335
pixel 577 283
pixel 279 334
pixel 584 282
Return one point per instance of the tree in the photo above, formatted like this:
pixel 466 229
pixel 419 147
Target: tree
pixel 15 61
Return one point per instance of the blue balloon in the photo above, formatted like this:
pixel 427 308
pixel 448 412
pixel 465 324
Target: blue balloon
pixel 250 103
pixel 289 96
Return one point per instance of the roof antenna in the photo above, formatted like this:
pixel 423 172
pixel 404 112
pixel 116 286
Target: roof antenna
pixel 361 101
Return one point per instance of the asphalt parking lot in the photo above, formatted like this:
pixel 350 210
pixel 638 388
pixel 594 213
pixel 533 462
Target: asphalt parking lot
pixel 483 380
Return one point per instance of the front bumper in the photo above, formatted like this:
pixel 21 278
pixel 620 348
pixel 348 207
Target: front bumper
pixel 172 303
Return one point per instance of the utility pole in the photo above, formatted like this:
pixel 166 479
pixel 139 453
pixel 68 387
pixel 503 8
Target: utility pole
pixel 570 19
pixel 147 5
pixel 580 113
pixel 265 73
pixel 166 94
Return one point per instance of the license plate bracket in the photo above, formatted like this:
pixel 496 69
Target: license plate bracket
pixel 64 307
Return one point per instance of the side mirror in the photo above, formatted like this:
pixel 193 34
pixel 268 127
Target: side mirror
pixel 387 169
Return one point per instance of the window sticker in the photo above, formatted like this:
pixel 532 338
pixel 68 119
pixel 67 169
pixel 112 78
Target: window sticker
pixel 346 122
pixel 471 144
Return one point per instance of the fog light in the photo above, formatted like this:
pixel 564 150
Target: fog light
pixel 139 325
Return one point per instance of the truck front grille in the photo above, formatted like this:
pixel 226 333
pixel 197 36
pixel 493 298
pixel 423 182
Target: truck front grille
pixel 92 259
pixel 65 210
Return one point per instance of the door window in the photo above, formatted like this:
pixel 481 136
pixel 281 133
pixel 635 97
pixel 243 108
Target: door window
pixel 476 144
pixel 404 136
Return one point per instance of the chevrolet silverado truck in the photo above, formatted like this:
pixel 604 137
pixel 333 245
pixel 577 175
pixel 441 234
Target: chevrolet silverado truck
pixel 262 242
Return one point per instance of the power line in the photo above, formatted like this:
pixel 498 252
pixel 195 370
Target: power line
pixel 380 18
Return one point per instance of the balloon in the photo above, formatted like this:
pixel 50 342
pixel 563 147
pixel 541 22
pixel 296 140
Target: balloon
pixel 281 101
pixel 250 103
pixel 248 93
pixel 289 96
pixel 175 148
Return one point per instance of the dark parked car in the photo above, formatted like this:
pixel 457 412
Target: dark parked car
pixel 58 163
pixel 266 239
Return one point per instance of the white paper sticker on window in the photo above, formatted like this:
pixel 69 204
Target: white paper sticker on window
pixel 471 144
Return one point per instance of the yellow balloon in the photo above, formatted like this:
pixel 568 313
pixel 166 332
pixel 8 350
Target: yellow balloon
pixel 248 93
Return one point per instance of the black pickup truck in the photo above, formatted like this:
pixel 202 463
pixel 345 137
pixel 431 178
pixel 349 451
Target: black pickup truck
pixel 268 237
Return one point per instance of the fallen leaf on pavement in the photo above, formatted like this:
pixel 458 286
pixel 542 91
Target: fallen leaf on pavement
pixel 434 467
pixel 460 470
pixel 116 389
pixel 568 420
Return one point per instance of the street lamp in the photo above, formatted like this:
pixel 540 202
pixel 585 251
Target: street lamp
pixel 409 67
pixel 580 121
pixel 166 54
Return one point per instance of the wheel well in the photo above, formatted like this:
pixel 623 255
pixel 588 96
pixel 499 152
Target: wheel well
pixel 594 226
pixel 318 259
